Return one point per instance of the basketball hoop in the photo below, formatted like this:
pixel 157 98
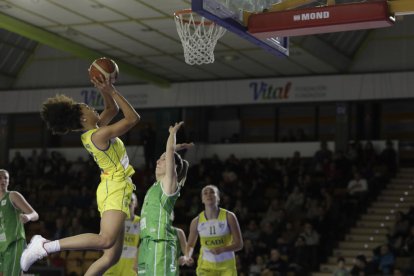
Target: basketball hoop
pixel 198 36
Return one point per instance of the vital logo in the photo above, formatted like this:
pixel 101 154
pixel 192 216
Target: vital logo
pixel 311 16
pixel 92 98
pixel 265 91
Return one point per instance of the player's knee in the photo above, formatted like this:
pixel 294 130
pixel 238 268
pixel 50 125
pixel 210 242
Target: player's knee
pixel 106 241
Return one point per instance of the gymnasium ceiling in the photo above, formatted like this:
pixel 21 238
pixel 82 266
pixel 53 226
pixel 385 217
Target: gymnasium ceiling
pixel 50 43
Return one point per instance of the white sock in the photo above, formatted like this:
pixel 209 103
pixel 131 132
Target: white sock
pixel 52 246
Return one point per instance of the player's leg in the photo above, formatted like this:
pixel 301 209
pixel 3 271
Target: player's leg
pixel 111 256
pixel 112 223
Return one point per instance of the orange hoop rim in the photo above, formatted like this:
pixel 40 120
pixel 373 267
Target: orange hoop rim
pixel 190 11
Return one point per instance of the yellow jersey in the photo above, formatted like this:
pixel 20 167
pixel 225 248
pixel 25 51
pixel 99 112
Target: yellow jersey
pixel 215 233
pixel 113 161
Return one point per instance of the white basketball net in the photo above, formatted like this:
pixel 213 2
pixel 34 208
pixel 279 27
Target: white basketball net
pixel 198 36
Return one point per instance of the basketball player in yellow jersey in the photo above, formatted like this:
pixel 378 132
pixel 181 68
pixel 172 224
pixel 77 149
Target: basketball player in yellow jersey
pixel 62 115
pixel 127 264
pixel 220 237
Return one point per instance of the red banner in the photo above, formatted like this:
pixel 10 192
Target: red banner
pixel 315 20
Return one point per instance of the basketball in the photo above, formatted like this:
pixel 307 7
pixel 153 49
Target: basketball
pixel 105 67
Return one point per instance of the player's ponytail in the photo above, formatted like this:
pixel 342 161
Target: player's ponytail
pixel 182 169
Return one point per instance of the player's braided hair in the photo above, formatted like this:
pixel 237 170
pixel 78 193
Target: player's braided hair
pixel 182 168
pixel 61 114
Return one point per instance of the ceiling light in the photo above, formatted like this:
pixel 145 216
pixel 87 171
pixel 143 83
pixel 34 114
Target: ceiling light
pixel 229 58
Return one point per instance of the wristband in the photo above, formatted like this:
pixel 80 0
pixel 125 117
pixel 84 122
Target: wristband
pixel 30 216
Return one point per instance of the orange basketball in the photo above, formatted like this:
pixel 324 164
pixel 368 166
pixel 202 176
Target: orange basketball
pixel 105 67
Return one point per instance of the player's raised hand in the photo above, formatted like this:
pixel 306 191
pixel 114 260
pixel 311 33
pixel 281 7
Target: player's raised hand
pixel 173 129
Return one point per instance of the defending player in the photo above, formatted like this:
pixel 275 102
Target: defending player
pixel 158 249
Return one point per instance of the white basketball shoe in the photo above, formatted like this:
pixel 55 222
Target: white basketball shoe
pixel 34 252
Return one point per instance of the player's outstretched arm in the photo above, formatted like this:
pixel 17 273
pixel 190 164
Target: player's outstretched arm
pixel 28 213
pixel 169 181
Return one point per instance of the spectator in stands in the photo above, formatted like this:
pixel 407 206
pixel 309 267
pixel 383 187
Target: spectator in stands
pixel 358 186
pixel 324 153
pixel 341 269
pixel 63 115
pixel 294 202
pixel 311 237
pixel 384 261
pixel 287 236
pixel 248 254
pixel 369 155
pixel 256 268
pixel 267 238
pixel 75 227
pixel 389 158
pixel 357 192
pixel 60 229
pixel 300 259
pixel 276 265
pixel 252 232
pixel 408 243
pixel 360 267
pixel 15 212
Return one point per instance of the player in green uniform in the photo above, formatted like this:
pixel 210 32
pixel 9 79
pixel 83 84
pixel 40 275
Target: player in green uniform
pixel 157 253
pixel 14 212
pixel 62 115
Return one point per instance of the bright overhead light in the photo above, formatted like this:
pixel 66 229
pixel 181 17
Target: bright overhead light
pixel 229 58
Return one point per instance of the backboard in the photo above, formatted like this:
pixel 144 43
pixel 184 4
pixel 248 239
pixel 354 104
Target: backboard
pixel 231 19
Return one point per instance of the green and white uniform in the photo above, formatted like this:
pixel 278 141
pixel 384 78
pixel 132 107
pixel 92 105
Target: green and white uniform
pixel 158 248
pixel 12 237
pixel 215 233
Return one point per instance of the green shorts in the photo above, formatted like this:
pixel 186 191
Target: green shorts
pixel 157 258
pixel 10 259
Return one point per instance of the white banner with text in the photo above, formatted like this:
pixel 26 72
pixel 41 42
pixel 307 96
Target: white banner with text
pixel 237 92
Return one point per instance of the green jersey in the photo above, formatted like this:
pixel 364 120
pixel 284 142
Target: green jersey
pixel 11 229
pixel 156 214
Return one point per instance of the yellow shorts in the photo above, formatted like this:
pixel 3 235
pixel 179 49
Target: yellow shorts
pixel 113 195
pixel 226 268
pixel 201 271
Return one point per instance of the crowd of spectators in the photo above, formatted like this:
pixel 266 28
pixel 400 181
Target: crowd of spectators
pixel 291 211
